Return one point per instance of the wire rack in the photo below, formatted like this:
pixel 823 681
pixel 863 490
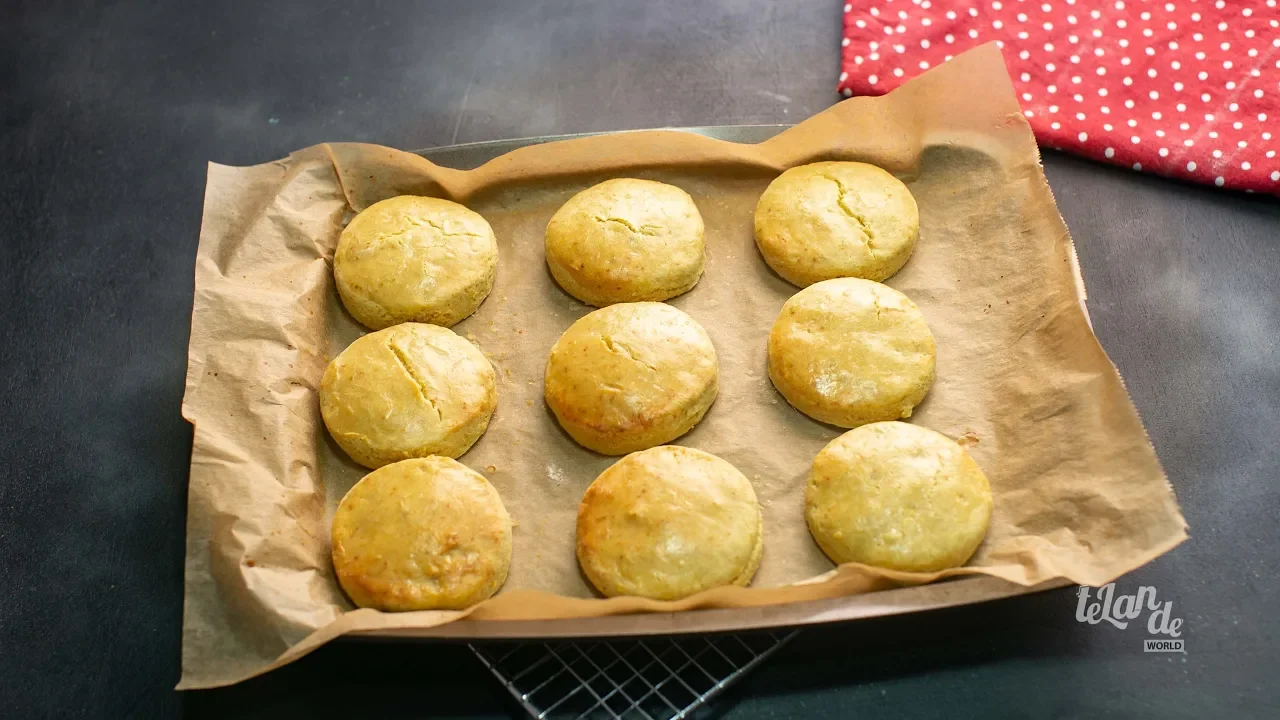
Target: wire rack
pixel 650 679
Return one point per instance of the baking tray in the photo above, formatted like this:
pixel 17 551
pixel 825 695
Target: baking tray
pixel 951 593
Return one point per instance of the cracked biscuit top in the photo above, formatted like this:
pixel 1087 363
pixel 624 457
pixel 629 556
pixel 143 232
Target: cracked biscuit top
pixel 850 351
pixel 631 376
pixel 409 391
pixel 415 259
pixel 626 240
pixel 836 219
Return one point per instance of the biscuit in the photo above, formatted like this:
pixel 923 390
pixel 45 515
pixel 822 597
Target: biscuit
pixel 411 390
pixel 631 376
pixel 416 259
pixel 849 352
pixel 421 534
pixel 897 496
pixel 626 240
pixel 669 522
pixel 836 219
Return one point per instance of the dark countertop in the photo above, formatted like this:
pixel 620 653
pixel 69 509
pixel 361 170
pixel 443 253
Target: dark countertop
pixel 110 112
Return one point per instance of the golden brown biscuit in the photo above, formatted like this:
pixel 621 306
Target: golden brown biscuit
pixel 669 522
pixel 626 240
pixel 836 219
pixel 411 390
pixel 897 496
pixel 631 376
pixel 417 259
pixel 421 534
pixel 849 352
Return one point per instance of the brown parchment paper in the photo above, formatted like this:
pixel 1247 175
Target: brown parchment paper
pixel 1079 494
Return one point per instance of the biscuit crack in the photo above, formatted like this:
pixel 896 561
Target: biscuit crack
pixel 426 222
pixel 618 348
pixel 642 230
pixel 853 214
pixel 875 300
pixel 399 355
pixel 439 228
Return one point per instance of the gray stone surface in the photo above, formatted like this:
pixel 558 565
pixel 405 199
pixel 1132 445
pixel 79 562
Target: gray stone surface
pixel 108 113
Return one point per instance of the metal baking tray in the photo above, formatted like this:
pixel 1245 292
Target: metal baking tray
pixel 962 591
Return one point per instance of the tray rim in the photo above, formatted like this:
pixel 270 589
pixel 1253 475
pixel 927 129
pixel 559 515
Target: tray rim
pixel 949 593
pixel 934 596
pixel 746 134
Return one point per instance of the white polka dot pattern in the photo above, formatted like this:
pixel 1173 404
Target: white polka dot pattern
pixel 1182 88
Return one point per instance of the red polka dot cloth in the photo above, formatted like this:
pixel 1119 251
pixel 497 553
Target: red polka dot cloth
pixel 1185 88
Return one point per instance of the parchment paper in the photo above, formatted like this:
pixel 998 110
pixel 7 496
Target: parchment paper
pixel 1021 380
